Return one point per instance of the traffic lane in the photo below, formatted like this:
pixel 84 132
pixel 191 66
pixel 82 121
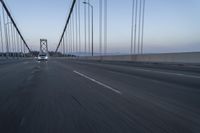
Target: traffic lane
pixel 14 75
pixel 131 82
pixel 83 106
pixel 15 66
pixel 178 67
pixel 162 113
pixel 175 99
pixel 184 79
pixel 43 104
pixel 109 76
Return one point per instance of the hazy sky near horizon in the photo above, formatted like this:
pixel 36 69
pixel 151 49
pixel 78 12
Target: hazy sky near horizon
pixel 170 25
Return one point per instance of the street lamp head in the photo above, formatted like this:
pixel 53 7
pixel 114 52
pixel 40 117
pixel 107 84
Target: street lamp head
pixel 86 3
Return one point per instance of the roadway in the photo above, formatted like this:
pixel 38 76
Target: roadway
pixel 68 96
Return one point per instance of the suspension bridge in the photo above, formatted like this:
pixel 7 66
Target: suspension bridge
pixel 83 88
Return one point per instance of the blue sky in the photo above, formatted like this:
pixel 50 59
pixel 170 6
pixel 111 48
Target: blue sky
pixel 170 25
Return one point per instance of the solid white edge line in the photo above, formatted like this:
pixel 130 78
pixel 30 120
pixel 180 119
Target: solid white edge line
pixel 97 82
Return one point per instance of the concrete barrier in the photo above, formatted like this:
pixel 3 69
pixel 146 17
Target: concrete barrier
pixel 192 57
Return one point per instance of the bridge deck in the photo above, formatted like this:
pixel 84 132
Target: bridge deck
pixel 88 97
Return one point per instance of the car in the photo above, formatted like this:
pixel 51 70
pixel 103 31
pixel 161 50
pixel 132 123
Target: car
pixel 43 57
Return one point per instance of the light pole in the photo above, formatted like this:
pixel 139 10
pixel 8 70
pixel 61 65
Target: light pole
pixel 86 3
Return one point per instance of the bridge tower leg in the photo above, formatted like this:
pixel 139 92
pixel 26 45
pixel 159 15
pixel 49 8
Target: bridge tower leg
pixel 43 46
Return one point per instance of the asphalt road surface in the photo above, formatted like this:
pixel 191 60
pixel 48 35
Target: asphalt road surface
pixel 66 96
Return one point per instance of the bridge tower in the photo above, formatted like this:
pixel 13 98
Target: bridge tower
pixel 43 46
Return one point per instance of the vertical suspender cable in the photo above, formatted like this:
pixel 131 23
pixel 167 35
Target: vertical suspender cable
pixel 132 25
pixel 135 32
pixel 79 23
pixel 76 15
pixel 100 27
pixel 139 27
pixel 14 43
pixel 142 38
pixel 64 39
pixel 62 49
pixel 17 45
pixel 71 30
pixel 7 25
pixel 24 49
pixel 89 25
pixel 12 39
pixel 1 35
pixel 21 53
pixel 85 28
pixel 8 29
pixel 105 26
pixel 20 47
pixel 5 33
pixel 73 33
pixel 70 37
pixel 67 40
pixel 64 45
